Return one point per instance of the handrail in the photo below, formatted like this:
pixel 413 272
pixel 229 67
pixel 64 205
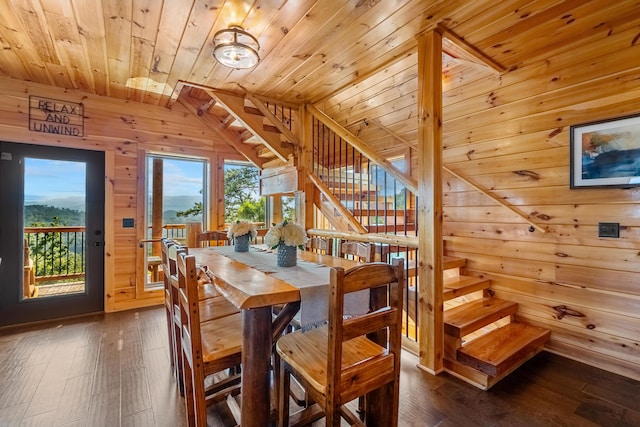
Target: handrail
pixel 462 178
pixel 60 229
pixel 497 199
pixel 392 239
pixel 344 212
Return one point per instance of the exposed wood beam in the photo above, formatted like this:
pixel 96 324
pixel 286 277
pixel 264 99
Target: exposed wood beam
pixel 273 119
pixel 235 106
pixel 358 144
pixel 176 93
pixel 194 106
pixel 344 212
pixel 430 247
pixel 459 47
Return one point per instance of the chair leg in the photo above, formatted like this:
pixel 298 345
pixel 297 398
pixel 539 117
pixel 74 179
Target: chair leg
pixel 188 397
pixel 283 396
pixel 177 354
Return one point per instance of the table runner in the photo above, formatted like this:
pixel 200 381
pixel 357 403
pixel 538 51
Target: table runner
pixel 311 278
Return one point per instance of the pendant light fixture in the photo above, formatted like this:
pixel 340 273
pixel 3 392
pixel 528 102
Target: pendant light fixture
pixel 236 48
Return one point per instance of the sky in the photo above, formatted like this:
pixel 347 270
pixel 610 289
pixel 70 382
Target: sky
pixel 53 179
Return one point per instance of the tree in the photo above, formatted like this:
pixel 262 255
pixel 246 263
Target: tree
pixel 52 253
pixel 241 196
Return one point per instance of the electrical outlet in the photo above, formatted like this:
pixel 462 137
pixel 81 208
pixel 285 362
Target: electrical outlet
pixel 608 229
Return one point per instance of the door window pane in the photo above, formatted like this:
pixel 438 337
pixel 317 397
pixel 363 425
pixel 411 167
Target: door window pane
pixel 54 228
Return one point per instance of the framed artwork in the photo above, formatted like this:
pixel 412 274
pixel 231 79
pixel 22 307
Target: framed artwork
pixel 606 153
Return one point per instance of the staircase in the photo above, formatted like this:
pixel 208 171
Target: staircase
pixel 483 340
pixel 373 207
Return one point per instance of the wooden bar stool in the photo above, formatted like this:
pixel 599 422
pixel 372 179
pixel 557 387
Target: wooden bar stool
pixel 207 347
pixel 350 357
pixel 212 304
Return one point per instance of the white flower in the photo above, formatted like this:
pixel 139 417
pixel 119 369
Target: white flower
pixel 240 228
pixel 287 233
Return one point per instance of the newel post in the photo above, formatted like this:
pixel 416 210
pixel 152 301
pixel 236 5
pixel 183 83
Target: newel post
pixel 431 334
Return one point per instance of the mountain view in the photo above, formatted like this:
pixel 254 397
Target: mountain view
pixel 70 210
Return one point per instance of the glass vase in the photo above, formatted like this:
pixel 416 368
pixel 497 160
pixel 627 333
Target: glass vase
pixel 241 243
pixel 287 256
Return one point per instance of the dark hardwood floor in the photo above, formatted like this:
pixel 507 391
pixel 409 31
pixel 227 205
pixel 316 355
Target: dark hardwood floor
pixel 113 370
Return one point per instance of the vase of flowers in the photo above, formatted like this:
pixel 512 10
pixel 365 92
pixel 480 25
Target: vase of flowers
pixel 287 237
pixel 241 233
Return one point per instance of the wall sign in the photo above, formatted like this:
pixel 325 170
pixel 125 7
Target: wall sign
pixel 55 116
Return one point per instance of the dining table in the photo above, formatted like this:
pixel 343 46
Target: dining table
pixel 254 283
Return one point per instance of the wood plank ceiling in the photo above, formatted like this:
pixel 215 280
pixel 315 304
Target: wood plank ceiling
pixel 354 59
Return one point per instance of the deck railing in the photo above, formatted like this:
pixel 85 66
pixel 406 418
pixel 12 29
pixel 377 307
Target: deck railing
pixel 58 253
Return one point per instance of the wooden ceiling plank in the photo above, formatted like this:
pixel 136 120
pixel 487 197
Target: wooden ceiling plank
pixel 575 31
pixel 371 52
pixel 273 33
pixel 173 22
pixel 231 138
pixel 92 33
pixel 21 55
pixel 196 35
pixel 359 91
pixel 117 17
pixel 293 48
pixel 328 49
pixel 144 30
pixel 70 50
pixel 235 106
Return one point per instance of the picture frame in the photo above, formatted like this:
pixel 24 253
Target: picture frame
pixel 606 153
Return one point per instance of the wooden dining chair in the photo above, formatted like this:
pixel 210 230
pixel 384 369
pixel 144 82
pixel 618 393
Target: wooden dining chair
pixel 350 357
pixel 359 251
pixel 212 238
pixel 320 245
pixel 212 304
pixel 208 348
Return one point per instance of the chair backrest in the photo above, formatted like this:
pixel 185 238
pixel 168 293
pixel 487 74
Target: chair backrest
pixel 189 308
pixel 382 324
pixel 360 251
pixel 320 245
pixel 261 232
pixel 212 238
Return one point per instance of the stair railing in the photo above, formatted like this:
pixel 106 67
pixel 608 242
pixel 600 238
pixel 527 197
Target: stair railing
pixel 375 191
pixel 498 200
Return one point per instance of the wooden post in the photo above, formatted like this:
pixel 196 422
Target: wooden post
pixel 430 334
pixel 193 229
pixel 156 209
pixel 305 166
pixel 275 207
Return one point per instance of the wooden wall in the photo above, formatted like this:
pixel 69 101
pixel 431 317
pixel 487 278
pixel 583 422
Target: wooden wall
pixel 509 133
pixel 126 132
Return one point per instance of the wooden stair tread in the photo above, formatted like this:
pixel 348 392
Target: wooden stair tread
pixel 503 349
pixel 464 319
pixel 449 262
pixel 462 285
